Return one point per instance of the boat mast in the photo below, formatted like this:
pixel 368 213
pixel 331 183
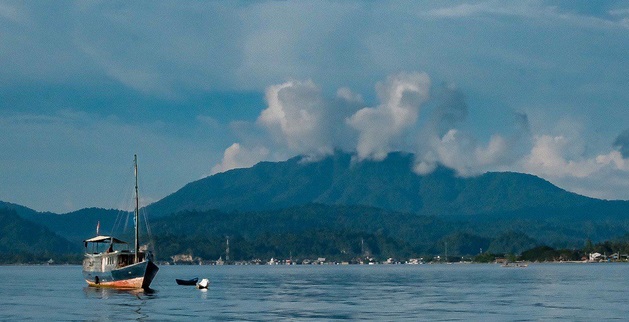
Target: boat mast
pixel 137 205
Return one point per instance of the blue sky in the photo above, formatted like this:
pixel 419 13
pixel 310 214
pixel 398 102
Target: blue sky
pixel 196 88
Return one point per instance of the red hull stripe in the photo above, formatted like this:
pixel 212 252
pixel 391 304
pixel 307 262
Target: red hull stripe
pixel 130 283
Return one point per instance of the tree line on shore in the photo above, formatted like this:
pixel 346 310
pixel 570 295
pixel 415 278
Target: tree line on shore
pixel 339 233
pixel 349 247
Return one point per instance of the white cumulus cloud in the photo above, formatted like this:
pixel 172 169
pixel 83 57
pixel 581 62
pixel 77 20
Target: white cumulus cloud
pixel 381 128
pixel 562 160
pixel 615 160
pixel 237 156
pixel 461 152
pixel 301 118
pixel 548 158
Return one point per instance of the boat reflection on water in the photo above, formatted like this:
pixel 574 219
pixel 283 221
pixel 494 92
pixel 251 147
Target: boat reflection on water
pixel 203 293
pixel 113 304
pixel 108 292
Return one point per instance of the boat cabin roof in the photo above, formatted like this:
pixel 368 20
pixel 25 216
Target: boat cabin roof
pixel 105 239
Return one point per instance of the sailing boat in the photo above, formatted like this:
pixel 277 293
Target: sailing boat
pixel 119 268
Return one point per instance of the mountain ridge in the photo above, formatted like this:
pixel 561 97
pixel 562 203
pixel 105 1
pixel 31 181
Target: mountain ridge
pixel 20 237
pixel 338 179
pixel 388 184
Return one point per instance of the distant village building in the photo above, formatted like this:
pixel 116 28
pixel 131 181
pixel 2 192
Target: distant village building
pixel 182 258
pixel 596 257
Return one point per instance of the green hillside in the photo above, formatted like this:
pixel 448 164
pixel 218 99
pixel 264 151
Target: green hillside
pixel 389 184
pixel 292 230
pixel 23 241
pixel 79 225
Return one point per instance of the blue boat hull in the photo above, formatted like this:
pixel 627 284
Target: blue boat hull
pixel 138 275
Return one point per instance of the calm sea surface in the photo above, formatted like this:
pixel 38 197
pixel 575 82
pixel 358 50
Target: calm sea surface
pixel 381 292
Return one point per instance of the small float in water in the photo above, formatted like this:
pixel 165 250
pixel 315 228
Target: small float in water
pixel 203 284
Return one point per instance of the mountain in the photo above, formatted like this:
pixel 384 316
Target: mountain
pixel 74 226
pixel 403 226
pixel 22 211
pixel 389 184
pixel 22 240
pixel 79 225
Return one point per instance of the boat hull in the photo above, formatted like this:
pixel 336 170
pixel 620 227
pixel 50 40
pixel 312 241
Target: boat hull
pixel 187 282
pixel 134 276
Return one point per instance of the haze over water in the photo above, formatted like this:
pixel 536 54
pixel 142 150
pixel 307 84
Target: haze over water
pixel 384 292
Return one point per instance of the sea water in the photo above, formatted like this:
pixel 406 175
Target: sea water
pixel 375 292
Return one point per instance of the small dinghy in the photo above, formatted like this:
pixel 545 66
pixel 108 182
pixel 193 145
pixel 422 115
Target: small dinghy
pixel 192 281
pixel 203 284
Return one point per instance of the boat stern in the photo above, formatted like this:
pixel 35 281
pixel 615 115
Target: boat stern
pixel 149 275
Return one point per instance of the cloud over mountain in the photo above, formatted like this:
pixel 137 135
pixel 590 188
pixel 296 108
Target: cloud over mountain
pixel 381 128
pixel 237 156
pixel 413 115
pixel 300 119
